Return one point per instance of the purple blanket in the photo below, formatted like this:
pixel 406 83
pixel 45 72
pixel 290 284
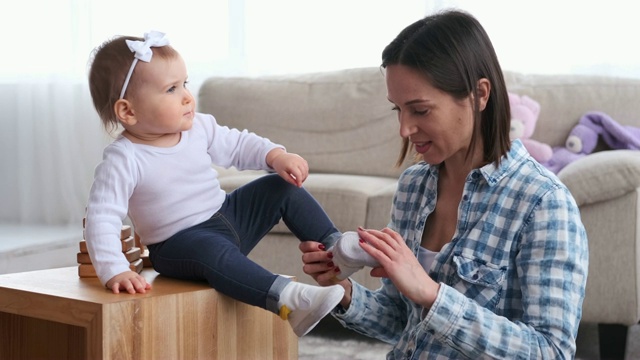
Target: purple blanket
pixel 615 135
pixel 583 139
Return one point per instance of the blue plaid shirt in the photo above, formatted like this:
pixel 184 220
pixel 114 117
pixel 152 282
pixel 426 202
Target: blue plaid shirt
pixel 512 279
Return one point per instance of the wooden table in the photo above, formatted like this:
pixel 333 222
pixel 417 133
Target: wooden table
pixel 55 314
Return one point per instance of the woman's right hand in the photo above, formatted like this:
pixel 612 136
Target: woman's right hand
pixel 318 265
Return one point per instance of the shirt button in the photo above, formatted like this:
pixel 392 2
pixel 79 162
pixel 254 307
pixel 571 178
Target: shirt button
pixel 465 198
pixel 475 276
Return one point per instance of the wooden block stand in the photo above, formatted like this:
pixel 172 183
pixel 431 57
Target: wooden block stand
pixel 55 314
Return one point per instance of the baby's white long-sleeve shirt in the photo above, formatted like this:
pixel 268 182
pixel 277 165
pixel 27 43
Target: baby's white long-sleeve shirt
pixel 163 190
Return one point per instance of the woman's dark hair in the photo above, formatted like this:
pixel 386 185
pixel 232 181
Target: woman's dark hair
pixel 452 49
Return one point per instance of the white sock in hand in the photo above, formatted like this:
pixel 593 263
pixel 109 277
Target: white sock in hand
pixel 349 256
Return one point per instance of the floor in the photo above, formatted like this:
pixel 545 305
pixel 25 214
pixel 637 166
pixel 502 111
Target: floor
pixel 330 341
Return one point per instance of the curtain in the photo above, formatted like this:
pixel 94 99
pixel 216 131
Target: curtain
pixel 49 145
pixel 52 138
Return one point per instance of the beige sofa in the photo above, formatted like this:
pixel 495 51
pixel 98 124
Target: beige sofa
pixel 343 125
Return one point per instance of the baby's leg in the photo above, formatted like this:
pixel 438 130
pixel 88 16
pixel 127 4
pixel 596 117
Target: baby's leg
pixel 259 205
pixel 210 252
pixel 200 253
pixel 273 198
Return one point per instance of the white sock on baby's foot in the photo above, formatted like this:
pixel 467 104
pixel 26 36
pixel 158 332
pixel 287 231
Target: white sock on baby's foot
pixel 349 257
pixel 305 305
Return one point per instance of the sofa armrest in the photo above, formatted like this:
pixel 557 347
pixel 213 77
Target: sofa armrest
pixel 602 175
pixel 606 186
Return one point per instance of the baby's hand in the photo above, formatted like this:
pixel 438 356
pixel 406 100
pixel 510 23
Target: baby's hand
pixel 130 281
pixel 291 167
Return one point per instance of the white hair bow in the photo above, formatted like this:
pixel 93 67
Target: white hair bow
pixel 142 51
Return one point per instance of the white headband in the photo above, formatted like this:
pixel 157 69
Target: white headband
pixel 142 51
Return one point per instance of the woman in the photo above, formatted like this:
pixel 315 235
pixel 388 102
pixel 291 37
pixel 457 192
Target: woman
pixel 485 255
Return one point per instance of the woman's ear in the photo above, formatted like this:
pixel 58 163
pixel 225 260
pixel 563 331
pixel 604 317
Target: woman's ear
pixel 124 112
pixel 483 91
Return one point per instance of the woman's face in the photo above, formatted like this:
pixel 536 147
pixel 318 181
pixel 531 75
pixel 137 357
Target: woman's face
pixel 438 126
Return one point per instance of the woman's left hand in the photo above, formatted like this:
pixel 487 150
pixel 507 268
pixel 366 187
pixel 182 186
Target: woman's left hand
pixel 399 264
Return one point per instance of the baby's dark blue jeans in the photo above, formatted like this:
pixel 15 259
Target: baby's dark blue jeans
pixel 216 250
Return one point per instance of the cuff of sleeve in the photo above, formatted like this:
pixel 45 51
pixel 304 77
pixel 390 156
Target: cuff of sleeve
pixel 267 151
pixel 445 312
pixel 353 313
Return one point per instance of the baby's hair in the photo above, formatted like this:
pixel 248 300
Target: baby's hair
pixel 109 64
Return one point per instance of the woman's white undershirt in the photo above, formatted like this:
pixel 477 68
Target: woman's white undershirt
pixel 425 257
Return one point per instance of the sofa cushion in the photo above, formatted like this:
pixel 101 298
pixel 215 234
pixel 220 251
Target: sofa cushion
pixel 347 199
pixel 602 175
pixel 380 204
pixel 340 121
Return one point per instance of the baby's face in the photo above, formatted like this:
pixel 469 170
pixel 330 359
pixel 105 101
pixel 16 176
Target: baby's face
pixel 161 102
